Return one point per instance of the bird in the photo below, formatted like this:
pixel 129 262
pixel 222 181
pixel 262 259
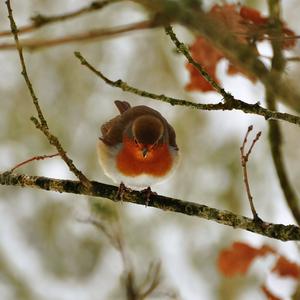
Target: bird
pixel 138 147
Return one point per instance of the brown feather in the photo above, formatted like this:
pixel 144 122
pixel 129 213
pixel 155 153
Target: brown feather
pixel 122 106
pixel 112 131
pixel 147 129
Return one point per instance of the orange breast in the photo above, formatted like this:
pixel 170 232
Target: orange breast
pixel 131 162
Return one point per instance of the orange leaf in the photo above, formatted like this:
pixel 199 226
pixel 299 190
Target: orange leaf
pixel 208 56
pixel 289 38
pixel 258 27
pixel 248 25
pixel 230 16
pixel 237 259
pixel 252 15
pixel 286 268
pixel 269 295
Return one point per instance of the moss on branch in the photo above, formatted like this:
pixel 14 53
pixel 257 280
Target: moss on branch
pixel 276 231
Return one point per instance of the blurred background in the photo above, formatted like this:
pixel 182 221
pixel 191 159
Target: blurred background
pixel 46 251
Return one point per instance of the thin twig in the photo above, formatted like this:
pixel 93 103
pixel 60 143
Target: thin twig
pixel 253 143
pixel 41 20
pixel 288 58
pixel 14 31
pixel 228 105
pixel 103 228
pixel 53 140
pixel 18 282
pixel 244 161
pixel 276 231
pixel 91 35
pixel 40 157
pixel 212 29
pixel 275 135
pixel 153 280
pixel 116 238
pixel 41 123
pixel 184 50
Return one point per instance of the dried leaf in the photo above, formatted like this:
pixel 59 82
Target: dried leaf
pixel 259 27
pixel 208 56
pixel 269 295
pixel 249 26
pixel 237 259
pixel 233 22
pixel 286 268
pixel 252 16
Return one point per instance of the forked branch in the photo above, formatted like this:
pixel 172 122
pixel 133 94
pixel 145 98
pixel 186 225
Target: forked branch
pixel 244 160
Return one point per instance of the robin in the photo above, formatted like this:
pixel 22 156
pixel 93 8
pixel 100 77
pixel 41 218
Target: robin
pixel 138 147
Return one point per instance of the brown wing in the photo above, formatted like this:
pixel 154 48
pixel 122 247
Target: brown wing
pixel 106 127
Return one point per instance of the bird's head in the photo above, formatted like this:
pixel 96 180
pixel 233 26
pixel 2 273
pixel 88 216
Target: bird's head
pixel 146 134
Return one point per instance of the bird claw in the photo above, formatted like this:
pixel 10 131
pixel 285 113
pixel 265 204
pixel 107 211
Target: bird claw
pixel 148 193
pixel 121 191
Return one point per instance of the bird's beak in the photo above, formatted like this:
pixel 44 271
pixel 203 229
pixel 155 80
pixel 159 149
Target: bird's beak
pixel 144 152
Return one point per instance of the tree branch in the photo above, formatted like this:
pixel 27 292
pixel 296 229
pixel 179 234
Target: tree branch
pixel 244 160
pixel 16 279
pixel 183 12
pixel 41 20
pixel 212 29
pixel 39 157
pixel 275 136
pixel 184 50
pixel 276 231
pixel 31 44
pixel 134 289
pixel 230 104
pixel 41 124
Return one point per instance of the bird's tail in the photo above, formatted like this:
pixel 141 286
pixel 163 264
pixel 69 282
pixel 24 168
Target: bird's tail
pixel 122 106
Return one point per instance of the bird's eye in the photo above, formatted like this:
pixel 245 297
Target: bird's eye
pixel 136 142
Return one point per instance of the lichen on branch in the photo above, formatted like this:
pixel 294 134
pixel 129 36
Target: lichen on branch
pixel 275 231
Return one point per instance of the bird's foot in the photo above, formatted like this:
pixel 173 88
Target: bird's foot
pixel 121 191
pixel 148 193
pixel 257 219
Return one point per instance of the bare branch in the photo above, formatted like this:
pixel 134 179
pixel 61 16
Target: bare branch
pixel 31 44
pixel 40 157
pixel 275 136
pixel 42 123
pixel 212 29
pixel 41 20
pixel 116 238
pixel 230 104
pixel 276 231
pixel 184 50
pixel 53 140
pixel 16 279
pixel 244 160
pixel 103 228
pixel 14 31
pixel 152 279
